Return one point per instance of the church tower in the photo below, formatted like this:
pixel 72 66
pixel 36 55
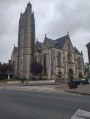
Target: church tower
pixel 26 42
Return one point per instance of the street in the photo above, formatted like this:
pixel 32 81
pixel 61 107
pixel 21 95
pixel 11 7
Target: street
pixel 15 104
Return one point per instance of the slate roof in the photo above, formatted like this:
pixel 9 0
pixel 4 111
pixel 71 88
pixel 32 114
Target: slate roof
pixel 49 40
pixel 15 50
pixel 59 43
pixel 40 44
pixel 76 50
pixel 88 44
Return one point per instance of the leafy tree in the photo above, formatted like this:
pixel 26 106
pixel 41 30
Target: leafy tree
pixel 80 76
pixel 36 68
pixel 71 77
pixel 9 69
pixel 5 68
pixel 86 65
pixel 0 67
pixel 1 76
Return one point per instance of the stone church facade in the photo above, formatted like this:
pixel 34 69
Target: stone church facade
pixel 88 49
pixel 58 57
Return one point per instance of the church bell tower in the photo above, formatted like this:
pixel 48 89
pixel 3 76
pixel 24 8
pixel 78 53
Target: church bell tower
pixel 26 42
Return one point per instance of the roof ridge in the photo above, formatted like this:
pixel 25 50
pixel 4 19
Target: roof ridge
pixel 62 37
pixel 49 38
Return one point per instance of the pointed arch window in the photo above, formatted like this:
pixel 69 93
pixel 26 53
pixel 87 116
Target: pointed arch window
pixel 21 61
pixel 53 54
pixel 58 59
pixel 35 58
pixel 69 46
pixel 79 63
pixel 44 61
pixel 69 57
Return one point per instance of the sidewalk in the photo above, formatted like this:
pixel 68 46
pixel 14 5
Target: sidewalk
pixel 82 89
pixel 38 82
pixel 46 86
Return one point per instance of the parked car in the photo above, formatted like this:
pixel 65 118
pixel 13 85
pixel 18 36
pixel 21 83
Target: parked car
pixel 79 81
pixel 89 80
pixel 74 81
pixel 84 81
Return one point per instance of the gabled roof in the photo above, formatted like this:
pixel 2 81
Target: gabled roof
pixel 88 44
pixel 59 43
pixel 15 49
pixel 50 41
pixel 38 46
pixel 39 43
pixel 76 50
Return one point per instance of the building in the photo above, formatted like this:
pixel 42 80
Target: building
pixel 26 41
pixel 14 60
pixel 88 48
pixel 58 57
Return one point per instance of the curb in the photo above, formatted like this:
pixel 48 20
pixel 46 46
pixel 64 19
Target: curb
pixel 78 93
pixel 38 84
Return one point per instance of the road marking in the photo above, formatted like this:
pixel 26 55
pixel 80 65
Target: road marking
pixel 81 114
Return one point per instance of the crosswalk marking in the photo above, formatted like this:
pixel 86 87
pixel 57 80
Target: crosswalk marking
pixel 81 114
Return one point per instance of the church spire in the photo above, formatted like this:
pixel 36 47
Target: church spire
pixel 45 35
pixel 29 4
pixel 21 14
pixel 29 7
pixel 67 33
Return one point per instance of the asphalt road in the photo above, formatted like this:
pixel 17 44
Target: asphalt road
pixel 34 105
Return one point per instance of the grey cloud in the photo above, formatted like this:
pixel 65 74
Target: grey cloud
pixel 70 18
pixel 53 17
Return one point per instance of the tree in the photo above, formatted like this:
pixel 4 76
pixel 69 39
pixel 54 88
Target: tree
pixel 9 70
pixel 86 67
pixel 10 67
pixel 87 72
pixel 5 69
pixel 36 68
pixel 0 67
pixel 1 76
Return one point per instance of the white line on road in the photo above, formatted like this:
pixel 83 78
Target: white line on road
pixel 81 114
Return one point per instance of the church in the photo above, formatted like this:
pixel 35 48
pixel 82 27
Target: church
pixel 57 56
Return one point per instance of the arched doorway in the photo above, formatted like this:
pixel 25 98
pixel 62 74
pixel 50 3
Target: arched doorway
pixel 80 75
pixel 70 74
pixel 59 77
pixel 60 73
pixel 44 61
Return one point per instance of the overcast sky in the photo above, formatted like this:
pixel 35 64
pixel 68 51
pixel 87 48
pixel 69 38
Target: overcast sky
pixel 53 17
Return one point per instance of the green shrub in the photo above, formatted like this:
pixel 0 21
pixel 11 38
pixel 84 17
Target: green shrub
pixel 71 77
pixel 81 76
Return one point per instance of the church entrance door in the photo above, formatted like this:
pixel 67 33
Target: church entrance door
pixel 59 76
pixel 70 74
pixel 80 75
